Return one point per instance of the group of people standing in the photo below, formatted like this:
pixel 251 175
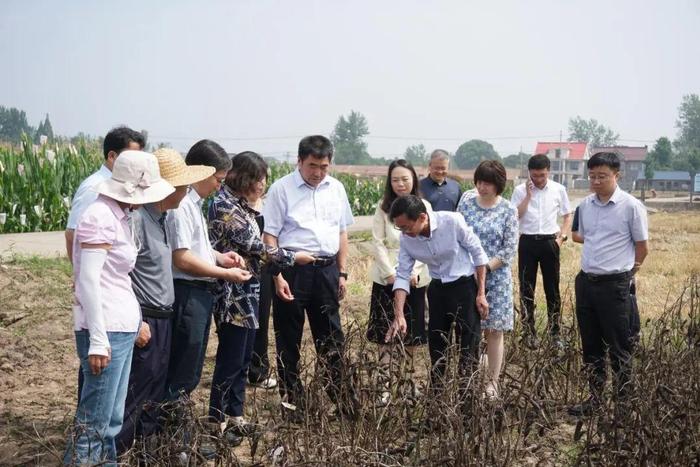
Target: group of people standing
pixel 151 271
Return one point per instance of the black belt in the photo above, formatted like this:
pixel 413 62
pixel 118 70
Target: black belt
pixel 323 261
pixel 206 285
pixel 539 237
pixel 460 281
pixel 150 312
pixel 620 276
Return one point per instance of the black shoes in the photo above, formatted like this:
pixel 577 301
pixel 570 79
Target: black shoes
pixel 584 409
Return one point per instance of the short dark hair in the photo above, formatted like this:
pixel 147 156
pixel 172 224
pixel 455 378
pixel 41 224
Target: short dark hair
pixel 247 168
pixel 317 146
pixel 538 162
pixel 209 153
pixel 118 139
pixel 491 172
pixel 410 205
pixel 610 159
pixel 389 195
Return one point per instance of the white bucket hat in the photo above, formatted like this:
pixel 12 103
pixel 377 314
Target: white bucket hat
pixel 135 179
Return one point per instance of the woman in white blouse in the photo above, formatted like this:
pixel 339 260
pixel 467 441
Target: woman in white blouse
pixel 401 180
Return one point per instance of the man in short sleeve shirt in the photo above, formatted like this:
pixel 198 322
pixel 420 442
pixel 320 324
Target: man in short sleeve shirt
pixel 196 266
pixel 539 202
pixel 614 228
pixel 308 210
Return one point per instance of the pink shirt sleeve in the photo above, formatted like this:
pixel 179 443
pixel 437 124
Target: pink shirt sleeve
pixel 95 227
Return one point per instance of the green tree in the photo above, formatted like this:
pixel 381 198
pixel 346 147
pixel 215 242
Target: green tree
pixel 659 158
pixel 516 161
pixel 592 132
pixel 44 129
pixel 472 152
pixel 416 155
pixel 13 123
pixel 348 139
pixel 688 141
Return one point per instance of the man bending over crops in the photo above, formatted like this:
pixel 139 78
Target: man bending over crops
pixel 456 294
pixel 117 140
pixel 613 225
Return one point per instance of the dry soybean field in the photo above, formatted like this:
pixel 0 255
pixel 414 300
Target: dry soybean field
pixel 529 425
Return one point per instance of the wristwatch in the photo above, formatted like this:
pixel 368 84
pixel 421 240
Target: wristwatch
pixel 344 275
pixel 564 237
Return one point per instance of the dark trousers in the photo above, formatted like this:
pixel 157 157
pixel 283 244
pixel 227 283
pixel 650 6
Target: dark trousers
pixel 149 370
pixel 608 322
pixel 191 322
pixel 315 291
pixel 545 253
pixel 453 302
pixel 260 364
pixel 232 359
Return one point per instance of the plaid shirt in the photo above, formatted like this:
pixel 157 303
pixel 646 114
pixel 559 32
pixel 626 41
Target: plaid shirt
pixel 232 227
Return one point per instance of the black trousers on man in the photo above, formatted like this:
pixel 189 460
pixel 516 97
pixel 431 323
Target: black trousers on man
pixel 191 322
pixel 609 322
pixel 259 368
pixel 149 370
pixel 315 290
pixel 453 302
pixel 542 251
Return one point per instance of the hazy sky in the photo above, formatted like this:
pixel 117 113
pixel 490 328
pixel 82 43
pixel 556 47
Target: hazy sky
pixel 260 74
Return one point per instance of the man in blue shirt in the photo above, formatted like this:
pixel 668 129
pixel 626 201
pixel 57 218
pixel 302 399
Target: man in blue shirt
pixel 441 192
pixel 457 266
pixel 613 225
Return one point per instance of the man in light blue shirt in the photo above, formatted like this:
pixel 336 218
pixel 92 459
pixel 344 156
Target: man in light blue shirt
pixel 454 255
pixel 613 226
pixel 117 140
pixel 308 210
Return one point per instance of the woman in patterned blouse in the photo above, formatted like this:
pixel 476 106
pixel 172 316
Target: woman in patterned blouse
pixel 495 221
pixel 232 227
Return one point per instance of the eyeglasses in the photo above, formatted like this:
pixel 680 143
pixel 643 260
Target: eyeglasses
pixel 403 229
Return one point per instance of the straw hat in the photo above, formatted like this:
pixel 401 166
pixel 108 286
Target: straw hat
pixel 135 179
pixel 176 172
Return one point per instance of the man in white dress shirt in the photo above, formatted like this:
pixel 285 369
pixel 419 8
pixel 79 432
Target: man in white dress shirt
pixel 539 202
pixel 308 210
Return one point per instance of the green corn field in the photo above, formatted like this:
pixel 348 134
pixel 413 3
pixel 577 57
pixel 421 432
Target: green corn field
pixel 37 184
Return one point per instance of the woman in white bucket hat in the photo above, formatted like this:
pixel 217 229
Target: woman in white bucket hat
pixel 106 313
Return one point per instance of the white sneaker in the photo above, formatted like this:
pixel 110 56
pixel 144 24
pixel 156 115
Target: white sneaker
pixel 491 391
pixel 384 399
pixel 267 383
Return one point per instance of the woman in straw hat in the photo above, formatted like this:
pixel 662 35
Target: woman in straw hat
pixel 152 280
pixel 106 312
pixel 232 227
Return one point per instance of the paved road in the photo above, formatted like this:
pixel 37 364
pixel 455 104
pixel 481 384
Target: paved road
pixel 52 244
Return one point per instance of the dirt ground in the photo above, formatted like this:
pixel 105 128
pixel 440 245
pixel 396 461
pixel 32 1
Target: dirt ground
pixel 38 365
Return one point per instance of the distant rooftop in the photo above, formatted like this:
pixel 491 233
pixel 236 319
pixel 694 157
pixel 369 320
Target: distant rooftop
pixel 628 153
pixel 670 175
pixel 576 149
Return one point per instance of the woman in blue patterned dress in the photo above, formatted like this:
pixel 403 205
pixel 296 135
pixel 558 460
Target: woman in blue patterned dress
pixel 495 221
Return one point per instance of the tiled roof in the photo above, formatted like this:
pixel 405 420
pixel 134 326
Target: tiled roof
pixel 576 149
pixel 628 153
